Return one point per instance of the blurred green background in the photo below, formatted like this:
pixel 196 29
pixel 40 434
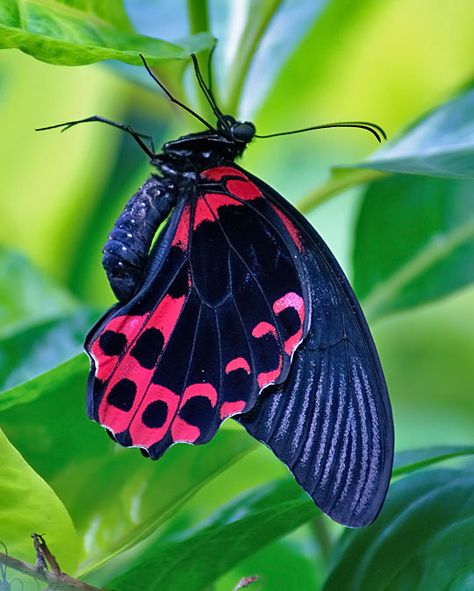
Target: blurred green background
pixel 387 61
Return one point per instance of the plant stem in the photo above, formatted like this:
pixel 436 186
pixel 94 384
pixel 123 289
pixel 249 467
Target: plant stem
pixel 335 185
pixel 322 537
pixel 254 30
pixel 61 581
pixel 198 17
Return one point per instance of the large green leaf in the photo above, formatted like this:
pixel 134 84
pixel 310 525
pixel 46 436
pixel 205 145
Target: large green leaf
pixel 289 564
pixel 78 32
pixel 41 348
pixel 425 514
pixel 59 379
pixel 139 496
pixel 28 504
pixel 414 242
pixel 441 144
pixel 27 297
pixel 52 431
pixel 242 527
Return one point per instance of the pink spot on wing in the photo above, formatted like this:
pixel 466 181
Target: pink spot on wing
pixel 262 329
pixel 181 237
pixel 128 326
pixel 295 301
pixel 231 408
pixel 183 432
pixel 203 389
pixel 217 173
pixel 291 228
pixel 146 436
pixel 238 363
pixel 165 316
pixel 115 418
pixel 267 377
pixel 164 319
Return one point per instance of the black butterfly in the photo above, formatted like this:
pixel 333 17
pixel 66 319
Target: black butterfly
pixel 238 310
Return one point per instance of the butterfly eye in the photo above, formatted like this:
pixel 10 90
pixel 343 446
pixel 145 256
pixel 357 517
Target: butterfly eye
pixel 243 132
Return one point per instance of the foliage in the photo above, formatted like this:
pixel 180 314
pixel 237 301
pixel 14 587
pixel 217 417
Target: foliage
pixel 203 517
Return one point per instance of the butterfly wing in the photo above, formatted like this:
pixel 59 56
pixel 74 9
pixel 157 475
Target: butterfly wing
pixel 330 422
pixel 221 310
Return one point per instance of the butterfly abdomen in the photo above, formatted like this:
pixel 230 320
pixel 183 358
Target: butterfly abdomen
pixel 126 250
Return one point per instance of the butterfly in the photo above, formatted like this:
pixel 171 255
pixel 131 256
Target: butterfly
pixel 237 308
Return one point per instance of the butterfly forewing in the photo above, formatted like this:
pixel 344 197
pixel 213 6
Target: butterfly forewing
pixel 223 307
pixel 330 421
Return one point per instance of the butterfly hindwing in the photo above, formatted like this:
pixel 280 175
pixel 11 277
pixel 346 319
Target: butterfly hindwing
pixel 330 421
pixel 222 308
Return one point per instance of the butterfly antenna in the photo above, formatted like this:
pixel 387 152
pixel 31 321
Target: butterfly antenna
pixel 138 137
pixel 374 129
pixel 171 97
pixel 208 92
pixel 209 71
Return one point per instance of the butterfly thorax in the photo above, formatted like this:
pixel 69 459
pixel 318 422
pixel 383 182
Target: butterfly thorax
pixel 195 152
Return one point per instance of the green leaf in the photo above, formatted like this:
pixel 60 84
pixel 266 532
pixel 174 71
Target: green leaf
pixel 129 509
pixel 28 504
pixel 414 242
pixel 80 32
pixel 288 564
pixel 245 525
pixel 78 459
pixel 57 379
pixel 416 459
pixel 440 145
pixel 27 297
pixel 449 563
pixel 41 348
pixel 424 514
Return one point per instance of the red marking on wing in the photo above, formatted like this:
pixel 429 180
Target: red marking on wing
pixel 231 408
pixel 181 238
pixel 262 329
pixel 292 230
pixel 207 206
pixel 115 418
pixel 216 174
pixel 181 431
pixel 244 189
pixel 166 315
pixel 145 436
pixel 203 389
pixel 238 363
pixel 126 325
pixel 295 301
pixel 267 377
pixel 163 318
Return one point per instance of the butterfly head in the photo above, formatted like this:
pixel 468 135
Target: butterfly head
pixel 238 131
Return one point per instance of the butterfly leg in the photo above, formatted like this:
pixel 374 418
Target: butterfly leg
pixel 126 251
pixel 138 137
